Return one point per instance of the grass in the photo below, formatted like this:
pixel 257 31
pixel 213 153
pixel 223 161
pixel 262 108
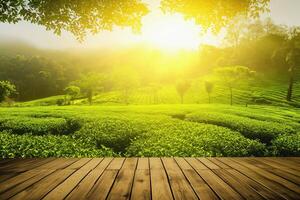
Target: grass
pixel 149 130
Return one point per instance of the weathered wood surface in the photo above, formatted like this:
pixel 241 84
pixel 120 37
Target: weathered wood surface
pixel 150 178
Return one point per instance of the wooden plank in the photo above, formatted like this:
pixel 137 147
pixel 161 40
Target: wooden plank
pixel 6 160
pixel 58 163
pixel 29 165
pixel 285 163
pixel 294 161
pixel 116 163
pixel 220 164
pixel 262 190
pixel 203 191
pixel 285 183
pixel 270 184
pixel 12 182
pixel 82 189
pixel 150 178
pixel 285 175
pixel 141 185
pixel 39 175
pixel 208 163
pixel 143 163
pixel 41 188
pixel 180 187
pixel 245 190
pixel 103 185
pixel 141 188
pixel 61 191
pixel 196 163
pixel 279 171
pixel 10 163
pixel 17 164
pixel 105 182
pixel 223 190
pixel 6 176
pixel 121 189
pixel 160 188
pixel 78 164
pixel 270 164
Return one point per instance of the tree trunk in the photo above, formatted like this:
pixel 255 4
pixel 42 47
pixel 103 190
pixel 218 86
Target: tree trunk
pixel 290 89
pixel 291 84
pixel 209 98
pixel 90 97
pixel 231 97
pixel 181 99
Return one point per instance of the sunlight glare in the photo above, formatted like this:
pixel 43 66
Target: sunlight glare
pixel 171 32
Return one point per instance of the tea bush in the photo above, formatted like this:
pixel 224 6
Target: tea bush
pixel 192 139
pixel 162 130
pixel 286 145
pixel 47 146
pixel 250 128
pixel 39 126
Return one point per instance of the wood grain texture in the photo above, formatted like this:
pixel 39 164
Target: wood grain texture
pixel 150 178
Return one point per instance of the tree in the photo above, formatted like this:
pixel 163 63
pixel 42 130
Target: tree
pixel 72 91
pixel 209 86
pixel 231 77
pixel 289 53
pixel 182 87
pixel 6 90
pixel 126 80
pixel 216 14
pixel 91 83
pixel 77 17
pixel 293 61
pixel 80 17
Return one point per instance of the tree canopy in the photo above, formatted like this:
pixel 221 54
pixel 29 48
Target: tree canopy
pixel 216 14
pixel 83 16
pixel 75 16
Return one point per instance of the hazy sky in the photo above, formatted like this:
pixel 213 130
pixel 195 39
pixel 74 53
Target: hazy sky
pixel 282 12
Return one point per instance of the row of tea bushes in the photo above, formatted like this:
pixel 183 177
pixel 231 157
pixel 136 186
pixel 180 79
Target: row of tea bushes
pixel 251 128
pixel 39 126
pixel 47 146
pixel 286 145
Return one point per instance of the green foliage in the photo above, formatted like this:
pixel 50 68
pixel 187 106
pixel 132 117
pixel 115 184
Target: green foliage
pixel 161 130
pixel 182 87
pixel 191 139
pixel 89 84
pixel 287 145
pixel 6 90
pixel 209 86
pixel 27 146
pixel 232 77
pixel 38 126
pixel 112 132
pixel 72 91
pixel 216 14
pixel 250 128
pixel 77 17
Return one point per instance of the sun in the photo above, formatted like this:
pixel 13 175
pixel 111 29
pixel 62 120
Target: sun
pixel 171 32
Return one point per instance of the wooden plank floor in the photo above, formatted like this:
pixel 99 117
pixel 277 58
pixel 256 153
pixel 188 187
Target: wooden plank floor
pixel 150 178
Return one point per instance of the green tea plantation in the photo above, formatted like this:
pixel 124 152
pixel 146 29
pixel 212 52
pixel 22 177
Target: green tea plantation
pixel 142 131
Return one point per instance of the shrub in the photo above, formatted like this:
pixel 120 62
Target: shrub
pixel 39 126
pixel 110 132
pixel 192 139
pixel 286 145
pixel 60 102
pixel 250 128
pixel 13 146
